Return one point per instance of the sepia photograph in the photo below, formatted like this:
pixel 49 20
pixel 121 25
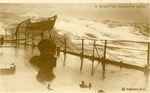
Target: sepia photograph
pixel 75 47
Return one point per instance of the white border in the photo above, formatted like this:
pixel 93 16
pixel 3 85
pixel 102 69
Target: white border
pixel 74 1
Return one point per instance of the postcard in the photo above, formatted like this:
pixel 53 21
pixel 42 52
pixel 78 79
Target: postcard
pixel 83 46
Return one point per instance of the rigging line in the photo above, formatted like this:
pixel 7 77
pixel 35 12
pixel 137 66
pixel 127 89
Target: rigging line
pixel 32 38
pixel 97 52
pixel 125 48
pixel 125 56
pixel 118 47
pixel 96 67
pixel 62 42
pixel 72 49
pixel 50 36
pixel 28 34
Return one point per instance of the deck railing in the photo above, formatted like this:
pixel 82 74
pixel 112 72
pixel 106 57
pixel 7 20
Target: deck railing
pixel 104 51
pixel 100 51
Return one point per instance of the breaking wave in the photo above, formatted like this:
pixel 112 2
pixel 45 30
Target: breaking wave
pixel 74 28
pixel 109 30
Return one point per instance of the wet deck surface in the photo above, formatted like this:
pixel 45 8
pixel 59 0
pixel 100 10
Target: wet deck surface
pixel 68 75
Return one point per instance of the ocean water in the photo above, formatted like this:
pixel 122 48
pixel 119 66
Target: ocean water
pixel 115 32
pixel 126 34
pixel 74 24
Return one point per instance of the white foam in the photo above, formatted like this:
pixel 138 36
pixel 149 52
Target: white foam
pixel 80 28
pixel 88 29
pixel 2 28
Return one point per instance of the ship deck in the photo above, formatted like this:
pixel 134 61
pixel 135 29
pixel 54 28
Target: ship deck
pixel 68 75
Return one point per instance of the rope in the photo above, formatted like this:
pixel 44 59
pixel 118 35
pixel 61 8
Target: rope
pixel 97 52
pixel 126 56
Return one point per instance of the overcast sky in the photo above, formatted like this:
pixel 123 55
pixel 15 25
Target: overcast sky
pixel 84 10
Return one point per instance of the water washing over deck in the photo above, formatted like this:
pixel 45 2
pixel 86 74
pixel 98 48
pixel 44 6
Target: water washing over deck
pixel 68 75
